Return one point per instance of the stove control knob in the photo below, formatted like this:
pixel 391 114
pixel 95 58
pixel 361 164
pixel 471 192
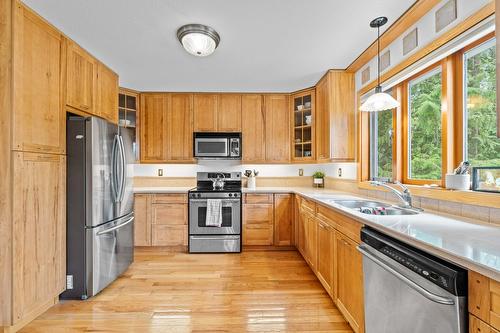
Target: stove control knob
pixel 230 194
pixel 198 195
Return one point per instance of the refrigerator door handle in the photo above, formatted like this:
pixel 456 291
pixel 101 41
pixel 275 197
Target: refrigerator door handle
pixel 123 166
pixel 114 169
pixel 115 227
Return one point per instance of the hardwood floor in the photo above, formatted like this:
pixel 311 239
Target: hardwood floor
pixel 254 291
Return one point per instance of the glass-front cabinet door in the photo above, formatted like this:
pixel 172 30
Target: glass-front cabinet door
pixel 303 126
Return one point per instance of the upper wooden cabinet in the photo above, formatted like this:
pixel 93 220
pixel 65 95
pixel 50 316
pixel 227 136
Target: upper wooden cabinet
pixel 39 226
pixel 81 79
pixel 39 122
pixel 217 113
pixel 107 93
pixel 153 131
pixel 277 124
pixel 229 113
pixel 303 121
pixel 180 128
pixel 205 112
pixel 253 133
pixel 335 117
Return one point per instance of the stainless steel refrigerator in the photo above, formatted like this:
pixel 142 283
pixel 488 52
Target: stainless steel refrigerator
pixel 100 204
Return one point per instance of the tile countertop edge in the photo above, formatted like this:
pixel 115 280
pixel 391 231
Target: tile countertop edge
pixel 310 193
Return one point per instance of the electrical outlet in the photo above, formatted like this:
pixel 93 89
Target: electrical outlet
pixel 301 172
pixel 339 172
pixel 69 281
pixel 160 172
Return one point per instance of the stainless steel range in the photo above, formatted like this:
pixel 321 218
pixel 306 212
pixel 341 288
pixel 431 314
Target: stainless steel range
pixel 219 192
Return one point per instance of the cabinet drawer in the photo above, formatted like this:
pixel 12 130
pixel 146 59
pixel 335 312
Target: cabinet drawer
pixel 484 299
pixel 258 234
pixel 308 205
pixel 478 326
pixel 169 235
pixel 258 214
pixel 170 198
pixel 258 198
pixel 169 214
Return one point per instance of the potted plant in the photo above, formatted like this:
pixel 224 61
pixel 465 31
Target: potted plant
pixel 319 179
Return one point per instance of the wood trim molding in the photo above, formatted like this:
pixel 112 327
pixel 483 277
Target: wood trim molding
pixel 464 197
pixel 5 163
pixel 403 23
pixel 468 23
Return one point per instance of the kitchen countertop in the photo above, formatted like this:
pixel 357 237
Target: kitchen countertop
pixel 471 245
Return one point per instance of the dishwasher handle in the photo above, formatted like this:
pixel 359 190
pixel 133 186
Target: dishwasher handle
pixel 427 294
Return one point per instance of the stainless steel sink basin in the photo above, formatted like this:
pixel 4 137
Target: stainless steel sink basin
pixel 356 204
pixel 389 209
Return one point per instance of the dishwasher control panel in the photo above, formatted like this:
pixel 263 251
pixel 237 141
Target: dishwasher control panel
pixel 442 273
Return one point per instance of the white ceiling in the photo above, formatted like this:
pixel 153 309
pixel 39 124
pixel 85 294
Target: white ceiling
pixel 266 45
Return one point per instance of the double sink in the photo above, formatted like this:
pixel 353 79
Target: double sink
pixel 369 207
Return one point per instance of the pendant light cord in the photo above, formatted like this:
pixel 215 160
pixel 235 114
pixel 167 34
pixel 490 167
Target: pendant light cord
pixel 378 55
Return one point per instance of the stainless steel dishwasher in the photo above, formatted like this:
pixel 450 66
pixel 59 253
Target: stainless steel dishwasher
pixel 408 290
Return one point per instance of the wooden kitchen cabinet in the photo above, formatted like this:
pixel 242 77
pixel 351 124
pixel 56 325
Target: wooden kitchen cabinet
pixel 484 294
pixel 258 224
pixel 277 128
pixel 142 222
pixel 303 121
pixel 39 229
pixel 335 117
pixel 39 121
pixel 253 131
pixel 107 94
pixel 326 255
pixel 180 128
pixel 81 79
pixel 301 233
pixel 478 326
pixel 311 240
pixel 205 112
pixel 283 219
pixel 349 281
pixel 153 120
pixel 169 235
pixel 229 113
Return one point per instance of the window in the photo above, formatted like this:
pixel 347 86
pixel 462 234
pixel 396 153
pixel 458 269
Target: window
pixel 381 150
pixel 424 126
pixel 481 144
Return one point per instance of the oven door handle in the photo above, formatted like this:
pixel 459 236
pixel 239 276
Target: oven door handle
pixel 216 238
pixel 424 292
pixel 224 200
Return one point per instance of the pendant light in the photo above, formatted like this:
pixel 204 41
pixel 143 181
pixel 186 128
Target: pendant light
pixel 379 101
pixel 198 39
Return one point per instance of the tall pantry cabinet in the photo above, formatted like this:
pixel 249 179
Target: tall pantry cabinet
pixel 39 68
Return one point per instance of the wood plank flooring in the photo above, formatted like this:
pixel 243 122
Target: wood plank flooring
pixel 175 292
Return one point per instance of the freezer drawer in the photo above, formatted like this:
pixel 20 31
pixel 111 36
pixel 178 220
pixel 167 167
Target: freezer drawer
pixel 214 244
pixel 110 252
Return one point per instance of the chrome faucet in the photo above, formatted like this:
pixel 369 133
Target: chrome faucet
pixel 404 195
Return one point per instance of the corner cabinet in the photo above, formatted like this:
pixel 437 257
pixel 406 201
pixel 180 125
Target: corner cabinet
pixel 303 131
pixel 335 117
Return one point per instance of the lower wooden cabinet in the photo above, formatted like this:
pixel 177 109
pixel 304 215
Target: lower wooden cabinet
pixel 484 296
pixel 142 226
pixel 311 240
pixel 161 220
pixel 349 281
pixel 258 224
pixel 283 219
pixel 326 255
pixel 39 226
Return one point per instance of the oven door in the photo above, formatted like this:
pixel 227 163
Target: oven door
pixel 211 147
pixel 231 218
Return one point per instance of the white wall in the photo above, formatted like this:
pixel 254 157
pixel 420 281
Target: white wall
pixel 426 34
pixel 267 170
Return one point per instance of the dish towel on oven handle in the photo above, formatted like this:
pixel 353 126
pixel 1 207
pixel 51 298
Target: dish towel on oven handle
pixel 214 213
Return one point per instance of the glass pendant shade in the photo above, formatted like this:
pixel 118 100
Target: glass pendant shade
pixel 379 101
pixel 198 40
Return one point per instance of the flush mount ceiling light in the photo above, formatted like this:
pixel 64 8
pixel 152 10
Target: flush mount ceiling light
pixel 198 39
pixel 379 101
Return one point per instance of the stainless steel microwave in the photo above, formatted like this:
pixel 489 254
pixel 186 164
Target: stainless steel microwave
pixel 211 145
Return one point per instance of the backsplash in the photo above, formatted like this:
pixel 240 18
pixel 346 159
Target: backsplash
pixel 265 170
